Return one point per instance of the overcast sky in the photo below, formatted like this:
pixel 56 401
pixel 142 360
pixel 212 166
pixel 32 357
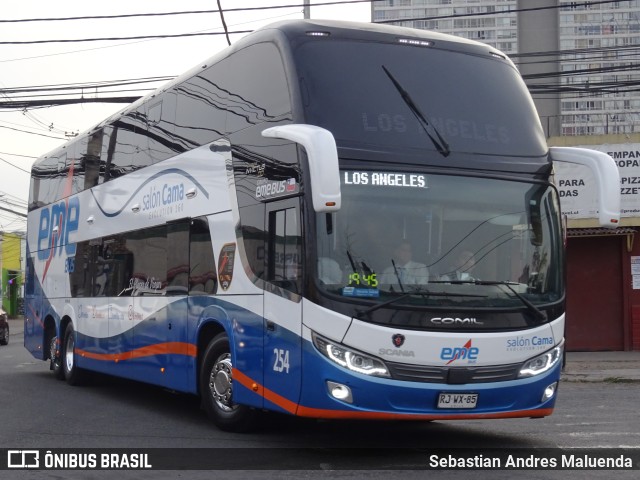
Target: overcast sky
pixel 78 62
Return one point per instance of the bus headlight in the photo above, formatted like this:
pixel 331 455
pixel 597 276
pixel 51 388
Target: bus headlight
pixel 542 363
pixel 345 357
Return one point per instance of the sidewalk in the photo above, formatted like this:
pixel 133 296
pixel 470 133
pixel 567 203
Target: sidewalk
pixel 602 367
pixel 580 366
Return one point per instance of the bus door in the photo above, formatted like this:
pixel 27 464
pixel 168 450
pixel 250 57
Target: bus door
pixel 282 303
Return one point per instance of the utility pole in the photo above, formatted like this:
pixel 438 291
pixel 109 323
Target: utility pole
pixel 306 10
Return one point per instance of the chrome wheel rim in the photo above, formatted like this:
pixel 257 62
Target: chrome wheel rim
pixel 68 353
pixel 221 383
pixel 53 350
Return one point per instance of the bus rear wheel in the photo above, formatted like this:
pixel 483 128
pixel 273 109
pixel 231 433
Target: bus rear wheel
pixel 216 389
pixel 54 357
pixel 72 374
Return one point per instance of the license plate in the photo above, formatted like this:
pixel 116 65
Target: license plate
pixel 457 400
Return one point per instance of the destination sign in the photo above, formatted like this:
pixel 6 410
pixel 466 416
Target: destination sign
pixel 385 179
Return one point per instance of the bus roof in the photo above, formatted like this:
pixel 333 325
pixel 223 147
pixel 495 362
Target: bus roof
pixel 292 29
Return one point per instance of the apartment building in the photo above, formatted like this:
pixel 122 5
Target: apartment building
pixel 580 59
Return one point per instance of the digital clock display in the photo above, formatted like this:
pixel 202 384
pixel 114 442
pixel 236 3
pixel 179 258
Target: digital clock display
pixel 357 279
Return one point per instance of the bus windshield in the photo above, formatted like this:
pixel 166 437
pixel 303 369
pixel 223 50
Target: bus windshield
pixel 408 97
pixel 421 239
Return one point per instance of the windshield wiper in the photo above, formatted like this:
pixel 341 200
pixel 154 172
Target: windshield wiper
pixel 441 145
pixel 422 292
pixel 395 271
pixel 539 314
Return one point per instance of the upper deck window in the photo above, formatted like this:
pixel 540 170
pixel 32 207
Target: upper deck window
pixel 371 94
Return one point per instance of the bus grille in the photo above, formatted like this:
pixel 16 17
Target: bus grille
pixel 454 375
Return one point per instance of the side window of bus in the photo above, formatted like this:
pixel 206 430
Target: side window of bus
pixel 90 274
pixel 129 264
pixel 284 247
pixel 161 120
pixel 149 271
pixel 201 109
pixel 80 275
pixel 50 176
pixel 89 153
pixel 202 268
pixel 126 150
pixel 257 84
pixel 152 261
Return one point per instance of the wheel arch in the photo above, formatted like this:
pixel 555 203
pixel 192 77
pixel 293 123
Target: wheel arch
pixel 209 329
pixel 49 331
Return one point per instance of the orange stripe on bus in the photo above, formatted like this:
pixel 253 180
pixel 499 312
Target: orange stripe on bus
pixel 168 348
pixel 284 403
pixel 303 411
pixel 345 414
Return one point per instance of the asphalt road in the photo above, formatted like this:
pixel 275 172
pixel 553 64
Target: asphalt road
pixel 38 411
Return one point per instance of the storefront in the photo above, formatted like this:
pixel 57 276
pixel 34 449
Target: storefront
pixel 603 266
pixel 11 253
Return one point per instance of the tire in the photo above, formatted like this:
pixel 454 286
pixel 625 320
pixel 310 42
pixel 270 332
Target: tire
pixel 216 389
pixel 72 374
pixel 5 340
pixel 55 358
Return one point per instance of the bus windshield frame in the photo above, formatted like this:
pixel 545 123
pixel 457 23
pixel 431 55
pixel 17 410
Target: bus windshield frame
pixel 417 240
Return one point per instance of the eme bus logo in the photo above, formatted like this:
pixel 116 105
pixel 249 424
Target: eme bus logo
pixel 56 223
pixel 466 352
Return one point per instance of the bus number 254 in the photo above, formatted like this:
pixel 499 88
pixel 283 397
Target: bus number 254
pixel 281 362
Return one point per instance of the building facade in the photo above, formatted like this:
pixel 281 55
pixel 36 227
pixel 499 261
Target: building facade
pixel 603 266
pixel 11 276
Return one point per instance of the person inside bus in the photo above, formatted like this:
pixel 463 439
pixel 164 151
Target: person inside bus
pixel 461 268
pixel 403 270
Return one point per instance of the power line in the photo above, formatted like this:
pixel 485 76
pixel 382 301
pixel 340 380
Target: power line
pixel 12 200
pixel 137 37
pixel 30 133
pixel 18 155
pixel 86 85
pixel 142 37
pixel 19 214
pixel 190 12
pixel 224 23
pixel 481 14
pixel 15 166
pixel 71 52
pixel 23 104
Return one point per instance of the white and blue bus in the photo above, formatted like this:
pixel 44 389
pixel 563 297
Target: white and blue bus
pixel 326 219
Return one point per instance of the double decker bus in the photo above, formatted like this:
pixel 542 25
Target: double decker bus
pixel 327 219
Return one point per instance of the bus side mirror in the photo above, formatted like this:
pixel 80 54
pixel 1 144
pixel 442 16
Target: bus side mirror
pixel 323 162
pixel 605 171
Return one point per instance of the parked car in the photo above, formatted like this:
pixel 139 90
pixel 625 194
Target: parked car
pixel 4 328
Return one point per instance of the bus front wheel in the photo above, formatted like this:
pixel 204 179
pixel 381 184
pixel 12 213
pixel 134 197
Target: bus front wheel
pixel 216 389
